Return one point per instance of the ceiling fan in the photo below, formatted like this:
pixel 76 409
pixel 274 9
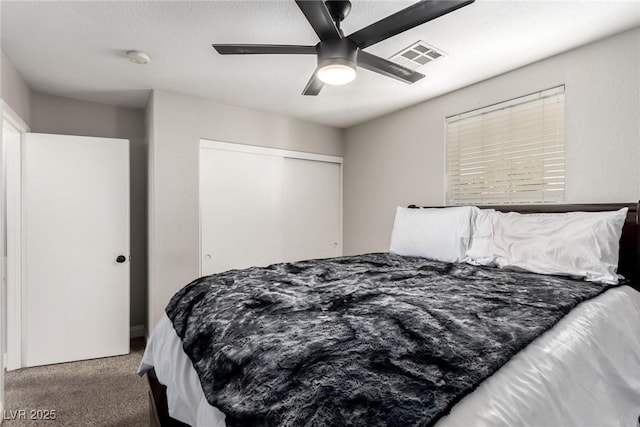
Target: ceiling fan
pixel 338 55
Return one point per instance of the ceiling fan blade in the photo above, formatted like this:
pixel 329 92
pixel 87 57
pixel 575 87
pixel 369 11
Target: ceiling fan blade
pixel 404 20
pixel 387 68
pixel 256 49
pixel 313 86
pixel 318 16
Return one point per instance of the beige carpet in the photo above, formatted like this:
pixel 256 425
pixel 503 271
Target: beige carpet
pixel 100 392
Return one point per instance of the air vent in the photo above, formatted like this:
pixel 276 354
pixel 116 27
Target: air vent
pixel 417 55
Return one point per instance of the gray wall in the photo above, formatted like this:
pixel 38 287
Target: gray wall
pixel 399 158
pixel 53 114
pixel 57 115
pixel 14 90
pixel 177 123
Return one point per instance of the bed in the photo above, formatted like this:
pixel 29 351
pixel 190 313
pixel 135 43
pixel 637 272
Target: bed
pixel 577 364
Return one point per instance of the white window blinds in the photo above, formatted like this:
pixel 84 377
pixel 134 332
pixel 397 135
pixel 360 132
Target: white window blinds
pixel 508 153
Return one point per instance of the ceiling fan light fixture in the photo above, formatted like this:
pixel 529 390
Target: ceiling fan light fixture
pixel 337 72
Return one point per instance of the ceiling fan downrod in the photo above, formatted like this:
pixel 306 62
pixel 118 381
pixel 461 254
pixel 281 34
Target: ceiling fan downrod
pixel 338 9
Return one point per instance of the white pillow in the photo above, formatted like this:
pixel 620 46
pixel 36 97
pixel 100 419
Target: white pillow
pixel 437 233
pixel 480 247
pixel 579 244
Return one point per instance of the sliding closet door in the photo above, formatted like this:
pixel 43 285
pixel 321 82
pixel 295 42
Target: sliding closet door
pixel 261 206
pixel 312 209
pixel 240 213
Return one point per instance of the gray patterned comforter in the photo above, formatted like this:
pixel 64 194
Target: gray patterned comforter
pixel 368 340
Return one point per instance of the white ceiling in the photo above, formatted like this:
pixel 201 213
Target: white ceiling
pixel 77 49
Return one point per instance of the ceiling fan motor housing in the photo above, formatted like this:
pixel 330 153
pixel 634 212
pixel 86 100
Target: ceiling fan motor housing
pixel 338 9
pixel 342 51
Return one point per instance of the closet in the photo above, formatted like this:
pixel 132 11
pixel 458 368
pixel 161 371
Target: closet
pixel 261 205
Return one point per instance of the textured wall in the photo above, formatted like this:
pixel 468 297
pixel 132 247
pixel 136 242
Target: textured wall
pixel 14 90
pixel 399 158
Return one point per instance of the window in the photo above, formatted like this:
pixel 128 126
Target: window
pixel 508 153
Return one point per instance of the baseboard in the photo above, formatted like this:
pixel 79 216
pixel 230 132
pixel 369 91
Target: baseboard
pixel 136 331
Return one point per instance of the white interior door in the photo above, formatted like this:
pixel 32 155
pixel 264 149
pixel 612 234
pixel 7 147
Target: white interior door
pixel 76 237
pixel 260 206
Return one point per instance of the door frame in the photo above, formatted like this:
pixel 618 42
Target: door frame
pixel 268 151
pixel 14 303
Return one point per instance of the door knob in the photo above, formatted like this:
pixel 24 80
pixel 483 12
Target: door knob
pixel 121 259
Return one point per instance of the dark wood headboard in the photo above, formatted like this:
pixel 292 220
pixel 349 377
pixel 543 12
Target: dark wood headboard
pixel 629 262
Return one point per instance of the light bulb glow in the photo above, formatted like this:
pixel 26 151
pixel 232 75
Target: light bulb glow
pixel 336 74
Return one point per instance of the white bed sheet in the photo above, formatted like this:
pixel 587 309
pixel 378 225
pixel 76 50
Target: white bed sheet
pixel 585 371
